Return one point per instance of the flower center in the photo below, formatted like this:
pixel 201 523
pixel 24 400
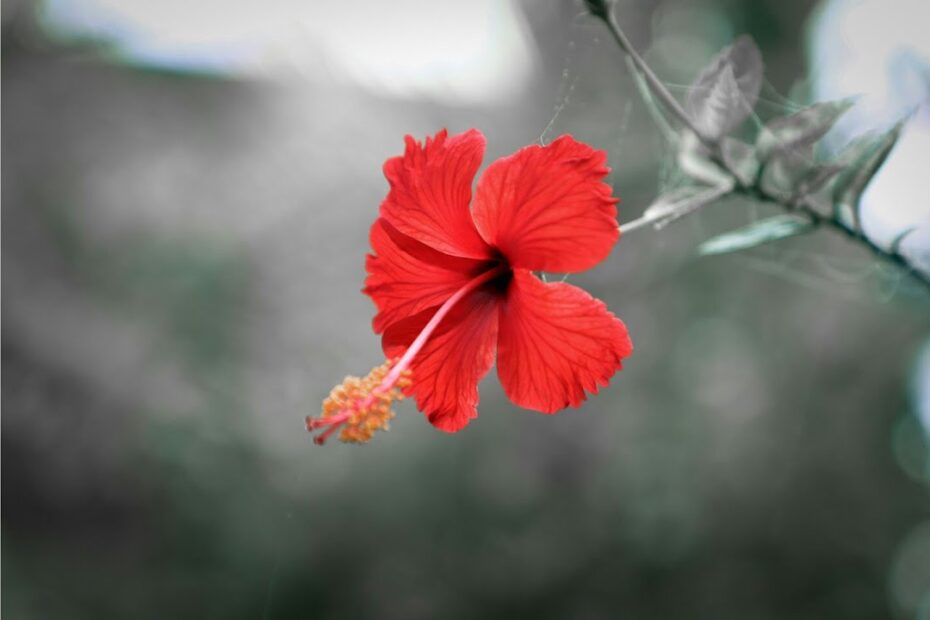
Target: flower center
pixel 503 273
pixel 360 407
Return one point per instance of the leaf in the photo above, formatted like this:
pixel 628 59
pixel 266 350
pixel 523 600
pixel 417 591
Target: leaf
pixel 866 155
pixel 788 177
pixel 720 108
pixel 799 129
pixel 895 247
pixel 741 159
pixel 764 231
pixel 817 177
pixel 725 91
pixel 694 160
pixel 783 173
pixel 857 148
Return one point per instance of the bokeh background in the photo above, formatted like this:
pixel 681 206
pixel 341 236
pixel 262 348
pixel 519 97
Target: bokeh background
pixel 187 191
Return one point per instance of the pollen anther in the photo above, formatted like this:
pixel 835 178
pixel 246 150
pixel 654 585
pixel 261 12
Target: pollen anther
pixel 359 407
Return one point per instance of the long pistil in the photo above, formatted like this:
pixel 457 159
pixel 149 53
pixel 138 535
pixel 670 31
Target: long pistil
pixel 360 407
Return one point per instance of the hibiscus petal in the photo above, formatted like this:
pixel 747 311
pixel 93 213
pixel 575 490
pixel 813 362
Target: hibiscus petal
pixel 555 342
pixel 458 354
pixel 431 191
pixel 546 208
pixel 406 277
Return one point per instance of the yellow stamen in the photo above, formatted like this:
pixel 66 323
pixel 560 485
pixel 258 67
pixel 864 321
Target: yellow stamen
pixel 361 406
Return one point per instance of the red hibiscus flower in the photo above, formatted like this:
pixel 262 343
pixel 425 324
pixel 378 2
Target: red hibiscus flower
pixel 452 278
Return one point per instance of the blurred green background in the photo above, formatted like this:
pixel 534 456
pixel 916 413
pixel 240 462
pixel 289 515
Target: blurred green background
pixel 183 249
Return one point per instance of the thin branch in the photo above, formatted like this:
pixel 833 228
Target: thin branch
pixel 652 79
pixel 640 222
pixel 893 257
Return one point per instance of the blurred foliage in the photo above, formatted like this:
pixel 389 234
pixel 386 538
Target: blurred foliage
pixel 181 265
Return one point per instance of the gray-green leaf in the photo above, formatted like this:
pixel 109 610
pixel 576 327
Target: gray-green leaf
pixel 741 159
pixel 783 173
pixel 764 231
pixel 817 177
pixel 725 91
pixel 799 129
pixel 694 160
pixel 866 156
pixel 895 246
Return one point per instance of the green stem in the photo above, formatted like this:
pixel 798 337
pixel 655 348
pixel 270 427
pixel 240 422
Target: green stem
pixel 653 80
pixel 651 104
